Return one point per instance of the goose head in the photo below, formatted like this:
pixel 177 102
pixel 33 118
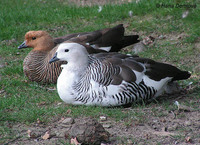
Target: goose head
pixel 72 53
pixel 38 40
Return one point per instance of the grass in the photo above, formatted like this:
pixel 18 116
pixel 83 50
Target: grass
pixel 22 101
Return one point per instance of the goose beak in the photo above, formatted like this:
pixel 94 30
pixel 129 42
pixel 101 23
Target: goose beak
pixel 23 45
pixel 54 58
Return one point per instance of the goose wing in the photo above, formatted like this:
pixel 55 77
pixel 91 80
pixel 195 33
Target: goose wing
pixel 113 68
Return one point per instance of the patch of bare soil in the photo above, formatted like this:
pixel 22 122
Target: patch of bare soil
pixel 172 126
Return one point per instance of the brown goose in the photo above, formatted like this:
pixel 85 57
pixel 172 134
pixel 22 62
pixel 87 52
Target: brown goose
pixel 36 64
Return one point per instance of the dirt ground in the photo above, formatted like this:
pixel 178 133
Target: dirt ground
pixel 173 126
pixel 177 127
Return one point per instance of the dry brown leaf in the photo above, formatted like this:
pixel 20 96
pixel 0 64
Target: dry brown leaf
pixel 31 134
pixel 51 89
pixel 162 120
pixel 46 135
pixel 69 111
pixel 188 139
pixel 103 118
pixel 41 103
pixel 38 121
pixel 147 136
pixel 74 141
pixel 61 120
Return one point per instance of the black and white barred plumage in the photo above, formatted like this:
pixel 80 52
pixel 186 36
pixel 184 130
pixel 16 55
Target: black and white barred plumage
pixel 110 79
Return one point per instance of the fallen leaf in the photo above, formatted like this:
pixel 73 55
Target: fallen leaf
pixel 51 89
pixel 147 136
pixel 106 125
pixel 46 135
pixel 74 141
pixel 61 120
pixel 69 111
pixel 148 40
pixel 162 120
pixel 41 103
pixel 31 134
pixel 103 118
pixel 38 121
pixel 188 139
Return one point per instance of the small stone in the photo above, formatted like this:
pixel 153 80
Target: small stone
pixel 172 128
pixel 147 136
pixel 2 91
pixel 106 125
pixel 164 129
pixel 61 132
pixel 176 142
pixel 162 120
pixel 161 37
pixel 103 118
pixel 155 121
pixel 89 131
pixel 32 134
pixel 139 47
pixel 1 65
pixel 154 127
pixel 185 108
pixel 130 13
pixel 68 121
pixel 129 141
pixel 38 121
pixel 188 123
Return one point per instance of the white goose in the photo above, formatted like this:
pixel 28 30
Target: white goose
pixel 110 79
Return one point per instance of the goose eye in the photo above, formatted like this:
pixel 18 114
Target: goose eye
pixel 33 38
pixel 66 50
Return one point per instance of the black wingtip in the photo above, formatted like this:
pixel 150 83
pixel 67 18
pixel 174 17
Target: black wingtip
pixel 183 75
pixel 131 39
